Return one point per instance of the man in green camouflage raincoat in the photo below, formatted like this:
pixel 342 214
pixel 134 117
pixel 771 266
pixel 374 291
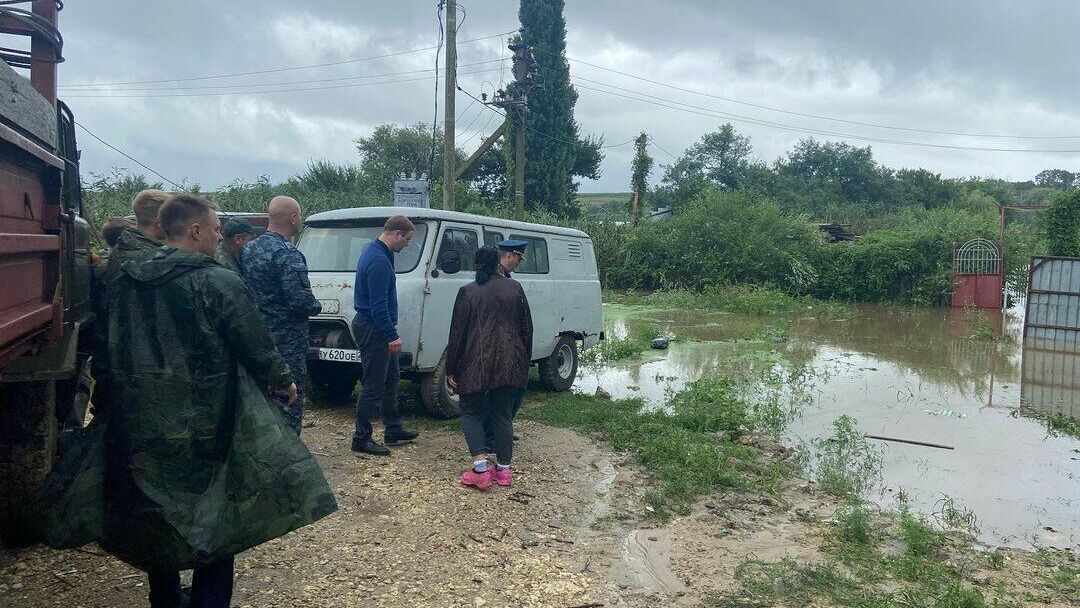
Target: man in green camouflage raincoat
pixel 199 463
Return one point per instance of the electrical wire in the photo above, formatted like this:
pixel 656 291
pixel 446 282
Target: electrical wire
pixel 541 133
pixel 274 70
pixel 491 117
pixel 817 116
pixel 289 90
pixel 435 120
pixel 283 83
pixel 652 141
pixel 712 113
pixel 479 113
pixel 128 156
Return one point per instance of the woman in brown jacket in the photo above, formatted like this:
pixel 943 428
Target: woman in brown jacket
pixel 487 362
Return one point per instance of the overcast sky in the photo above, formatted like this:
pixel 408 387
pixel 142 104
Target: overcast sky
pixel 1001 67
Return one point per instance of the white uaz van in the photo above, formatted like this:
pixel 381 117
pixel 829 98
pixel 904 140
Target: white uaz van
pixel 559 277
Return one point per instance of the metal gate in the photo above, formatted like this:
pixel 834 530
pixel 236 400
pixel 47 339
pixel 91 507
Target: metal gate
pixel 978 275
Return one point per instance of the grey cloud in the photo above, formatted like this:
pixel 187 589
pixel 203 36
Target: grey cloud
pixel 964 65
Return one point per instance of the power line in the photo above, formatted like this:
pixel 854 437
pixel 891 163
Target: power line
pixel 491 117
pixel 128 156
pixel 661 148
pixel 275 84
pixel 541 133
pixel 435 120
pixel 254 92
pixel 818 116
pixel 479 113
pixel 712 113
pixel 277 70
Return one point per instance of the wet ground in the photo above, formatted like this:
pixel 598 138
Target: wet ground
pixel 939 376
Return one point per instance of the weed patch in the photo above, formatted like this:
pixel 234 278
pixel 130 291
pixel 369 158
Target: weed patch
pixel 614 349
pixel 853 524
pixel 846 464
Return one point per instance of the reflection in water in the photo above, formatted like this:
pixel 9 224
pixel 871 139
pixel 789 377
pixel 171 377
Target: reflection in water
pixel 1051 380
pixel 940 375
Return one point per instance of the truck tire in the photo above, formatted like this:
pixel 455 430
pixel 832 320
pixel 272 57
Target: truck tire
pixel 558 372
pixel 28 431
pixel 333 383
pixel 436 394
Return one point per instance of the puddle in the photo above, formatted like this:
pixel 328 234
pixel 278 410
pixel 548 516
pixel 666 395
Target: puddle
pixel 903 373
pixel 646 557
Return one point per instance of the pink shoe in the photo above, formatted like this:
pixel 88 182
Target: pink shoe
pixel 480 481
pixel 504 478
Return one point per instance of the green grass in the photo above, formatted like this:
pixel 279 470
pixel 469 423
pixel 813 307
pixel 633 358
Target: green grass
pixel 614 349
pixel 1057 424
pixel 854 573
pixel 685 452
pixel 752 300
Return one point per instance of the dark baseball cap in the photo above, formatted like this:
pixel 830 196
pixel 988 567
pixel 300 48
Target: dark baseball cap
pixel 234 227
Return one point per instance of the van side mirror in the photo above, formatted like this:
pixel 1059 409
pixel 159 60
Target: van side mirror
pixel 450 262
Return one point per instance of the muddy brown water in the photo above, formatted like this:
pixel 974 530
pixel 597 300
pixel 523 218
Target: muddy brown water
pixel 928 375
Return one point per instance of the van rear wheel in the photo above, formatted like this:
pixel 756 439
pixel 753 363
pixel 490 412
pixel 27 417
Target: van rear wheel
pixel 435 393
pixel 558 372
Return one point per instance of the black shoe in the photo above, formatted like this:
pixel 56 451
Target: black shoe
pixel 401 436
pixel 370 447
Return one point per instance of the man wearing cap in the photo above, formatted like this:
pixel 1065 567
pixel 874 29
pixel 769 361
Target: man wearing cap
pixel 235 234
pixel 511 254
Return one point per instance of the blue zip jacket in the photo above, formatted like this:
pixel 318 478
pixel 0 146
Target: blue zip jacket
pixel 375 293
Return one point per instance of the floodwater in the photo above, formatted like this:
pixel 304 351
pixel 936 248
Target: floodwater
pixel 929 375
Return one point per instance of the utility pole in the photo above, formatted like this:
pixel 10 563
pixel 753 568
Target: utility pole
pixel 451 96
pixel 519 107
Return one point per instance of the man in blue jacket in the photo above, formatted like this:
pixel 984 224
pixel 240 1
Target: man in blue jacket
pixel 375 331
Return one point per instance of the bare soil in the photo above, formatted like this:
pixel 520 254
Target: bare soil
pixel 572 532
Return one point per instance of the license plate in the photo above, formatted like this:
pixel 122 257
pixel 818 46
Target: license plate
pixel 342 355
pixel 330 307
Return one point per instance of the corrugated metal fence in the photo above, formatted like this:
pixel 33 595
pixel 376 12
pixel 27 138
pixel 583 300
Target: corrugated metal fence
pixel 1052 320
pixel 1050 377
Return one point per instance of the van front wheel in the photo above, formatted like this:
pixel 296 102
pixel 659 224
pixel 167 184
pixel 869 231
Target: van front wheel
pixel 558 372
pixel 435 393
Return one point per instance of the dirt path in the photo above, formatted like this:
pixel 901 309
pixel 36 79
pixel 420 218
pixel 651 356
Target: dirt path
pixel 407 534
pixel 571 533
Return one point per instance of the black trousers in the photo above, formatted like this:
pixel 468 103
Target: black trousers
pixel 378 391
pixel 498 404
pixel 211 586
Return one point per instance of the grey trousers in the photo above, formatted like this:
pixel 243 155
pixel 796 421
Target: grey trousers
pixel 498 405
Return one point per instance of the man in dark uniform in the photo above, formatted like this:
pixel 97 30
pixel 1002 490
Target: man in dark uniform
pixel 276 273
pixel 235 234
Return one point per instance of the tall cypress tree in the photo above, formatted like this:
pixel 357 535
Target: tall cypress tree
pixel 554 151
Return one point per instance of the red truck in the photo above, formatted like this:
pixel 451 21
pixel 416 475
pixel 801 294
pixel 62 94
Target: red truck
pixel 45 262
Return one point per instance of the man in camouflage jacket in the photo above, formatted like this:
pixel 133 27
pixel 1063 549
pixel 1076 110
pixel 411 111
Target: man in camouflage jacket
pixel 276 274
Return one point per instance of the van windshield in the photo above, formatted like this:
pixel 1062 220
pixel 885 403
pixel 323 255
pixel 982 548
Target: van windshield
pixel 338 248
